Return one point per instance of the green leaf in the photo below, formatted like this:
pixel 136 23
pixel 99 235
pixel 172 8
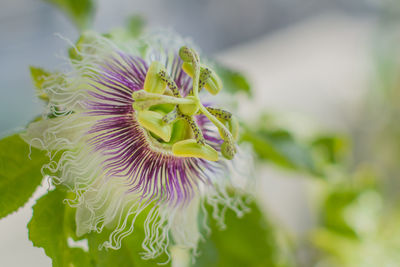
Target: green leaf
pixel 247 241
pixel 19 174
pixel 51 226
pixel 279 147
pixel 79 11
pixel 233 81
pixel 53 223
pixel 330 149
pixel 129 255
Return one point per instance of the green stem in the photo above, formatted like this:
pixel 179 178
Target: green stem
pixel 161 99
pixel 227 135
pixel 220 113
pixel 195 128
pixel 170 82
pixel 172 116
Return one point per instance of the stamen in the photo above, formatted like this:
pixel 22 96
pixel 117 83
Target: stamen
pixel 154 93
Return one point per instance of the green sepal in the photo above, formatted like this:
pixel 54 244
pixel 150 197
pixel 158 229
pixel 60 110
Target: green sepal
pixel 39 76
pixel 81 45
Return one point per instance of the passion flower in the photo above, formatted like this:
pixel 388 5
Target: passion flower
pixel 127 132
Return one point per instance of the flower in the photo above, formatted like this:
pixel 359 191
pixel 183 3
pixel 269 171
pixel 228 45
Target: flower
pixel 127 132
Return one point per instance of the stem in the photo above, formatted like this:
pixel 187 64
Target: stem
pixel 170 82
pixel 171 117
pixel 220 113
pixel 196 129
pixel 196 77
pixel 228 136
pixel 161 99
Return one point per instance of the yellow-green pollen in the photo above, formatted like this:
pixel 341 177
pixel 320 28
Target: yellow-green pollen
pixel 169 117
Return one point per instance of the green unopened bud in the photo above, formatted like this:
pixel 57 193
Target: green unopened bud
pixel 213 83
pixel 189 109
pixel 228 150
pixel 190 148
pixel 153 83
pixel 152 121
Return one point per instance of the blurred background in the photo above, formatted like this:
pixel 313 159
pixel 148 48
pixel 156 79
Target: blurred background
pixel 313 64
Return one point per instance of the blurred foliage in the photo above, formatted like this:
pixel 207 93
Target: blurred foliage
pixel 233 80
pixel 358 226
pixel 19 175
pixel 277 145
pixel 81 12
pixel 360 212
pixel 135 25
pixel 248 241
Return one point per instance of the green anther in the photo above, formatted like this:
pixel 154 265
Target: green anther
pixel 189 109
pixel 153 83
pixel 191 148
pixel 228 150
pixel 213 84
pixel 152 121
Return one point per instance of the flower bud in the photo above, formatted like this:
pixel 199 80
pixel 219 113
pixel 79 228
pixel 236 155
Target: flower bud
pixel 152 121
pixel 190 148
pixel 153 83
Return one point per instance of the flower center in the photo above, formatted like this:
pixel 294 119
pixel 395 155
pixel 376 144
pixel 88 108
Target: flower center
pixel 169 118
